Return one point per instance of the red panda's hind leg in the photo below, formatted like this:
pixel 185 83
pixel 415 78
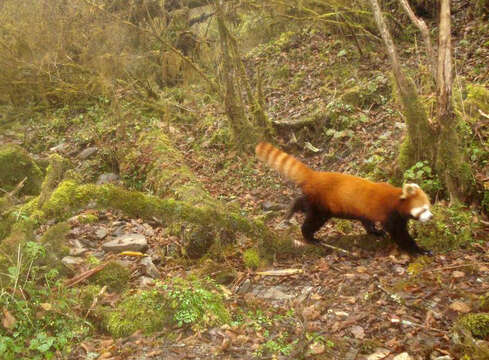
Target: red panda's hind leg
pixel 371 229
pixel 299 205
pixel 313 222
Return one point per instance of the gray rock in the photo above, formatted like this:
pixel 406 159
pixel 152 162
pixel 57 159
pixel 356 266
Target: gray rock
pixel 145 281
pixel 149 268
pixel 85 154
pixel 127 242
pixel 108 178
pixel 77 251
pixel 61 148
pixel 245 287
pixel 275 293
pixel 71 261
pixel 100 233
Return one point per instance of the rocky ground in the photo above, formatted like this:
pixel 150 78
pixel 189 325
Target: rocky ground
pixel 371 303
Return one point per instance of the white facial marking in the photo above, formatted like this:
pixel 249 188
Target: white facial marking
pixel 427 215
pixel 418 210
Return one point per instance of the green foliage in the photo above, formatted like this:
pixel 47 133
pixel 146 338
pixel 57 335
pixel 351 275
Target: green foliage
pixel 114 275
pixel 477 324
pixel 16 165
pixel 251 258
pixel 145 310
pixel 451 227
pixel 277 346
pixel 422 174
pixel 195 305
pixel 42 324
pixel 180 302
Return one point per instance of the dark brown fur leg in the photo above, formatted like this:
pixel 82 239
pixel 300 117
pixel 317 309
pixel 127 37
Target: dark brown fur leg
pixel 371 229
pixel 396 226
pixel 313 222
pixel 299 205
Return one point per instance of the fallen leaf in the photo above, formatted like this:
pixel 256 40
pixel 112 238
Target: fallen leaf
pixel 458 274
pixel 46 306
pixel 379 353
pixel 403 356
pixel 311 313
pixel 361 269
pixel 317 348
pixel 358 332
pixel 459 306
pixel 8 320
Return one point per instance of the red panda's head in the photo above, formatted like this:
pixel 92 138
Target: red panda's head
pixel 415 203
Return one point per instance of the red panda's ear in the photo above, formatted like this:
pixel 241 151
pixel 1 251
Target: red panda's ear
pixel 408 190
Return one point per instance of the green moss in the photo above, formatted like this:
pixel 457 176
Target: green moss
pixel 145 310
pixel 211 220
pixel 222 273
pixel 477 324
pixel 114 275
pixel 87 218
pixel 87 294
pixel 478 97
pixel 178 303
pixel 251 259
pixel 451 228
pixel 54 174
pixel 16 165
pixel 418 265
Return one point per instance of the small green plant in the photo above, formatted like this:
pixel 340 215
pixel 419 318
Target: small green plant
pixel 40 326
pixel 422 174
pixel 278 346
pixel 193 304
pixel 251 258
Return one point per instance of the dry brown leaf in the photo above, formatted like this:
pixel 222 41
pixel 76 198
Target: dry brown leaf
pixel 317 348
pixel 46 306
pixel 459 306
pixel 8 320
pixel 458 274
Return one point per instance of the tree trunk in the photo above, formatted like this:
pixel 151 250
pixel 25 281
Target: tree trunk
pixel 450 166
pixel 419 144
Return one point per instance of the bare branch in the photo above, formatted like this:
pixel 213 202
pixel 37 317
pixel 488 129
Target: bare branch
pixel 423 28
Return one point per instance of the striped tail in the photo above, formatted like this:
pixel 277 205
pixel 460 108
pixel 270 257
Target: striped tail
pixel 284 163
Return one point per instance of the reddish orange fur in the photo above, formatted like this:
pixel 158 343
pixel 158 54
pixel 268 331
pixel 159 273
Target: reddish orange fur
pixel 343 195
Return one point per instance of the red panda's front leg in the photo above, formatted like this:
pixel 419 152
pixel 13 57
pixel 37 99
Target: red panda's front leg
pixel 396 226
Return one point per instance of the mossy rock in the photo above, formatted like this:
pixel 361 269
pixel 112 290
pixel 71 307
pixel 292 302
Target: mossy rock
pixel 54 240
pixel 477 324
pixel 178 303
pixel 198 240
pixel 478 97
pixel 451 228
pixel 16 164
pixel 146 311
pixel 114 275
pixel 222 273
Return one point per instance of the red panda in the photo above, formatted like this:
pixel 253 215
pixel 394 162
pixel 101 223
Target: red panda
pixel 329 194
